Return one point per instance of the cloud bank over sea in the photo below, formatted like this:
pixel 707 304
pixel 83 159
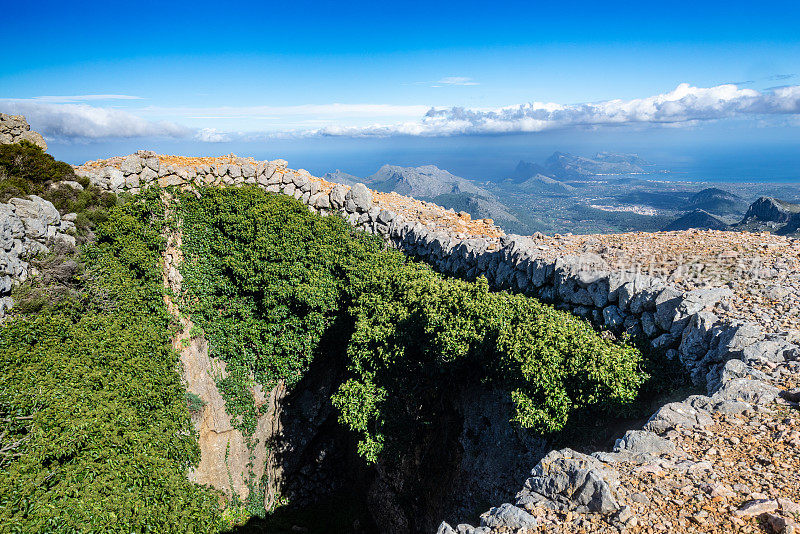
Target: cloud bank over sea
pixel 75 119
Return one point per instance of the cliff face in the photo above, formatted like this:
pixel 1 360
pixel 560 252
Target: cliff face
pixel 767 209
pixel 229 461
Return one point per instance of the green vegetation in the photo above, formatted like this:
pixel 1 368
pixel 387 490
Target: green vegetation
pixel 266 279
pixel 25 169
pixel 94 425
pixel 95 428
pixel 28 162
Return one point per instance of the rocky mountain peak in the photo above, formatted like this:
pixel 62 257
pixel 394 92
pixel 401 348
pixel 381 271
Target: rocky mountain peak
pixel 768 209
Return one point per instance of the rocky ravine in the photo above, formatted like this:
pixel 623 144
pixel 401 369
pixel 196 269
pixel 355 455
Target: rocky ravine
pixel 694 306
pixel 709 463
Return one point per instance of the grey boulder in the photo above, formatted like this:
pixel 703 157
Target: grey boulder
pixel 677 415
pixel 568 480
pixel 638 442
pixel 508 516
pixel 358 199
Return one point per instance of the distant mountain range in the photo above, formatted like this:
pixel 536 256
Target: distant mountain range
pixel 604 193
pixel 766 214
pixel 427 181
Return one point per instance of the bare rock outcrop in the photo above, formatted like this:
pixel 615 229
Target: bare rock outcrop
pixel 14 128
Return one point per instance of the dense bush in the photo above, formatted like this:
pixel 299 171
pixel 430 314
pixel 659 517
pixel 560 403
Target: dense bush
pixel 94 422
pixel 265 278
pixel 28 162
pixel 25 169
pixel 93 417
pixel 420 336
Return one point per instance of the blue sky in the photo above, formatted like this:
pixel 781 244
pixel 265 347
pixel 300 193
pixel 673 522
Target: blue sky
pixel 259 78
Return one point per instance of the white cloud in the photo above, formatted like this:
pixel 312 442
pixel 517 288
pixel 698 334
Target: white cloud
pixel 82 121
pixel 449 81
pixel 335 110
pixel 211 135
pixel 456 80
pixel 684 106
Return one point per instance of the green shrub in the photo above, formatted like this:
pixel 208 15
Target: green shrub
pixel 194 402
pixel 27 161
pixel 25 169
pixel 419 336
pixel 95 423
pixel 266 280
pixel 91 404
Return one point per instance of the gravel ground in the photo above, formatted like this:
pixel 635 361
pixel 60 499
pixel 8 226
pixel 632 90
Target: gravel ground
pixel 721 479
pixel 762 269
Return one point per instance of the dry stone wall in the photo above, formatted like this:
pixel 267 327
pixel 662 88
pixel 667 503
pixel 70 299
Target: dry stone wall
pixel 29 227
pixel 736 362
pixel 677 322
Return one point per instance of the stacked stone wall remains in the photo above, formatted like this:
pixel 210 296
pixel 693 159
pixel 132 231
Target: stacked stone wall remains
pixel 30 226
pixel 680 323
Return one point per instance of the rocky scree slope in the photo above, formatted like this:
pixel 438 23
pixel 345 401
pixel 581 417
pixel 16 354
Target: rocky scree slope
pixel 747 363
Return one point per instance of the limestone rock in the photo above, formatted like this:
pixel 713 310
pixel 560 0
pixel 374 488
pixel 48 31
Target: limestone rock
pixel 358 199
pixel 700 299
pixel 613 317
pixel 508 516
pixel 131 165
pixel 745 390
pixel 148 174
pixel 36 207
pixel 338 195
pixel 641 442
pixel 677 414
pixel 35 138
pixel 568 480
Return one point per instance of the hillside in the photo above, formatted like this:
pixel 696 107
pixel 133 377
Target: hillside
pixel 431 183
pixel 604 165
pixel 771 215
pixel 697 219
pixel 718 201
